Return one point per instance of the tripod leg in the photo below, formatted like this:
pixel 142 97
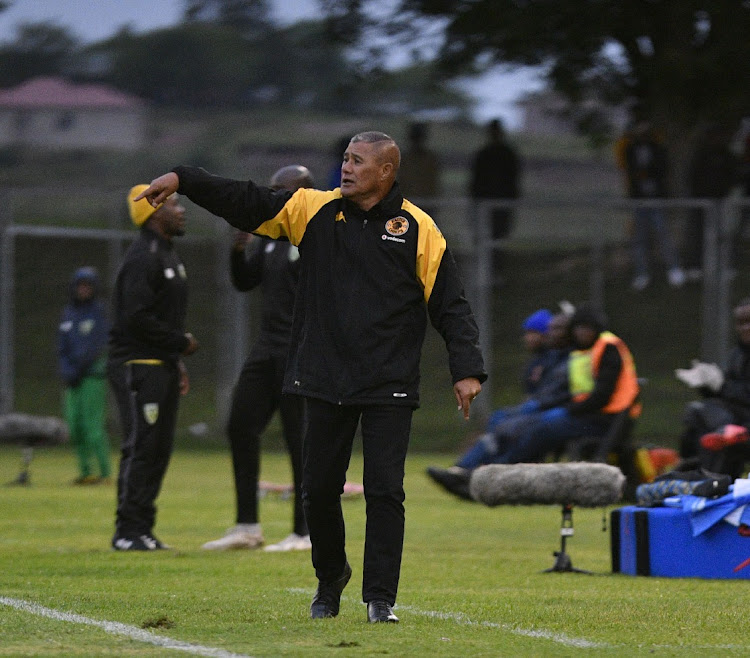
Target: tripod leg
pixel 562 559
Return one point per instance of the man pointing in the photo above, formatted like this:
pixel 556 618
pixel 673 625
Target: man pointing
pixel 371 264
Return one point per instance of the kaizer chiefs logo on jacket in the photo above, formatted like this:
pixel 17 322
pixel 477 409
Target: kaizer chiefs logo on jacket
pixel 397 226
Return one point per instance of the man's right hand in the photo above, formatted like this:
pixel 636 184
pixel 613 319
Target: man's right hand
pixel 192 345
pixel 160 189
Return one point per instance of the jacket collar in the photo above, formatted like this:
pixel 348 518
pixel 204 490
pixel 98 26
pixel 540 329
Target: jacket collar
pixel 388 206
pixel 149 234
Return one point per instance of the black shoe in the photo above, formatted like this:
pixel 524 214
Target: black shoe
pixel 380 611
pixel 455 480
pixel 144 542
pixel 327 597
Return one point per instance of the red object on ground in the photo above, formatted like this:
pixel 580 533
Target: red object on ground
pixel 663 458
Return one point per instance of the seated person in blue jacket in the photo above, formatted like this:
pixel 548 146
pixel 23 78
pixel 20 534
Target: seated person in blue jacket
pixel 550 390
pixel 602 383
pixel 535 341
pixel 716 426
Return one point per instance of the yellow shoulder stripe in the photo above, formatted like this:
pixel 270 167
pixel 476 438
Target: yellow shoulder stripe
pixel 291 221
pixel 430 248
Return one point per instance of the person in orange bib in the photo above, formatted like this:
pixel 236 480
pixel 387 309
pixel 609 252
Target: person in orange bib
pixel 603 382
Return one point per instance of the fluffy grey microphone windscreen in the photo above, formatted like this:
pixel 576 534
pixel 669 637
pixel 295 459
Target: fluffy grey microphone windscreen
pixel 577 483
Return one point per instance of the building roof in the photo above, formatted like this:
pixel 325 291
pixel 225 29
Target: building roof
pixel 45 92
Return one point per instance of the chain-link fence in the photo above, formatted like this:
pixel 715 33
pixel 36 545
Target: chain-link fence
pixel 573 250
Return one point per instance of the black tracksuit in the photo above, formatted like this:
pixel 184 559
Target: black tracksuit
pixel 368 282
pixel 274 265
pixel 146 340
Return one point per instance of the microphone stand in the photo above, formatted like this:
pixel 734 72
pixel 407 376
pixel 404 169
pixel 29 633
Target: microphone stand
pixel 562 559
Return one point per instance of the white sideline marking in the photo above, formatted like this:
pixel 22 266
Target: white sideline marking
pixel 461 618
pixel 116 628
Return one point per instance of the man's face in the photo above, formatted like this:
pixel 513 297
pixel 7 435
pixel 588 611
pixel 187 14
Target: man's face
pixel 557 332
pixel 361 171
pixel 84 291
pixel 533 340
pixel 584 336
pixel 172 216
pixel 742 324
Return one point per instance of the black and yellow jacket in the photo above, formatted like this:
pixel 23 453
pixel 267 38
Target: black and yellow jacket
pixel 366 279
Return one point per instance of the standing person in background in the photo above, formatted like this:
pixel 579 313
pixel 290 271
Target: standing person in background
pixel 274 265
pixel 374 267
pixel 713 175
pixel 419 173
pixel 334 173
pixel 81 350
pixel 146 372
pixel 496 174
pixel 646 161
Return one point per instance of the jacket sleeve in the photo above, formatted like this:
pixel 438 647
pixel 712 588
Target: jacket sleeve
pixel 139 300
pixel 65 362
pixel 243 204
pixel 451 315
pixel 604 386
pixel 254 208
pixel 247 268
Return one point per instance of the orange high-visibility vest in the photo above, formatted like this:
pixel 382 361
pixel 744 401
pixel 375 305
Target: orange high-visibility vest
pixel 584 368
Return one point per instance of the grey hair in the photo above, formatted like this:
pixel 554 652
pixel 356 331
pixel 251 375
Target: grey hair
pixel 374 137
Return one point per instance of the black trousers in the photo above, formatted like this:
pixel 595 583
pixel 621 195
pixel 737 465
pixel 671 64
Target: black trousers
pixel 326 450
pixel 147 397
pixel 257 395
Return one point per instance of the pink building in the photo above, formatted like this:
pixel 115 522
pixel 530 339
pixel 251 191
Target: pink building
pixel 54 114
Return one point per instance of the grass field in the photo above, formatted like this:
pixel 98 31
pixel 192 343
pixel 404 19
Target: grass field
pixel 471 582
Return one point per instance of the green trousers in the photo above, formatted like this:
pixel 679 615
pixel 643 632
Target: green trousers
pixel 85 413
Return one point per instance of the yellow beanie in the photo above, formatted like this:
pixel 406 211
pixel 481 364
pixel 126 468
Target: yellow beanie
pixel 141 210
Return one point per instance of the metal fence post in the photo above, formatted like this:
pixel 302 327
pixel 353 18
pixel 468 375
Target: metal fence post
pixel 7 319
pixel 723 210
pixel 712 279
pixel 233 325
pixel 484 250
pixel 596 277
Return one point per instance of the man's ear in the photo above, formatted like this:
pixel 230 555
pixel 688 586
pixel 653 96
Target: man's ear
pixel 386 171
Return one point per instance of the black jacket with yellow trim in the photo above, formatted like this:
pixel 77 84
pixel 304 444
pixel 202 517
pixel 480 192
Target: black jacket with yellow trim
pixel 365 281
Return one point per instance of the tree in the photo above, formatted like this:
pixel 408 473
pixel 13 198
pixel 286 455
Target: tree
pixel 251 17
pixel 682 63
pixel 38 49
pixel 193 64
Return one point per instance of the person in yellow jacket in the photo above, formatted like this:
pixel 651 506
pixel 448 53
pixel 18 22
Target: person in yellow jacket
pixel 602 381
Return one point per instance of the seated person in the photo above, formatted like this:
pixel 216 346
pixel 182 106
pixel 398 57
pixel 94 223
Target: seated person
pixel 536 341
pixel 551 391
pixel 716 426
pixel 602 383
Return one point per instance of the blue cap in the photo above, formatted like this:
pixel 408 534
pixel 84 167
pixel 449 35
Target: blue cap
pixel 538 321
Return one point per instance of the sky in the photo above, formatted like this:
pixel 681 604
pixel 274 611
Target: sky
pixel 94 20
